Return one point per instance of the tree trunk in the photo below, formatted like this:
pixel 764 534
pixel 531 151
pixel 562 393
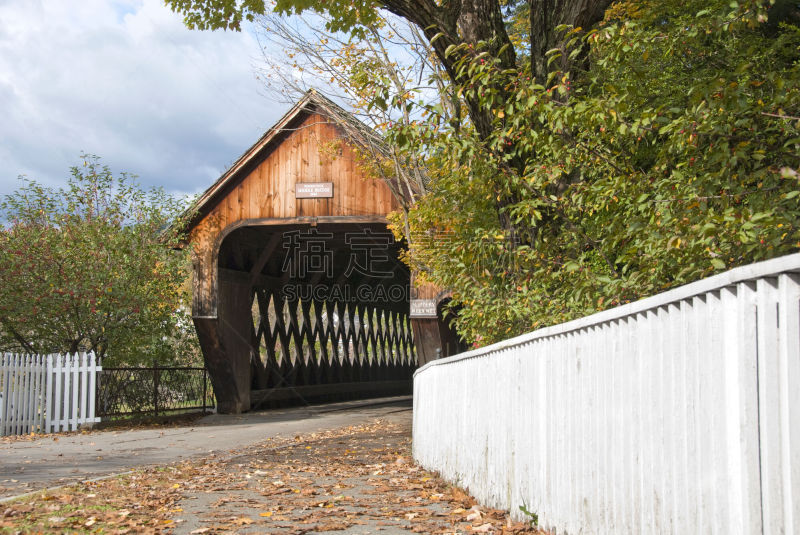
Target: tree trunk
pixel 547 15
pixel 454 22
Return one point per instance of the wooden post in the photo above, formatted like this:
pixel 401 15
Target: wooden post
pixel 226 342
pixel 155 388
pixel 205 388
pixel 427 336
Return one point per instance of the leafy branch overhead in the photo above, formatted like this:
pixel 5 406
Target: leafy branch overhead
pixel 445 24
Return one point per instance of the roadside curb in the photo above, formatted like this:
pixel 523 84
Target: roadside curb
pixel 349 405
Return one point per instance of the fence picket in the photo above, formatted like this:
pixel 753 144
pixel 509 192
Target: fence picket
pixel 92 387
pixel 7 394
pixel 63 407
pixel 13 393
pixel 32 402
pixel 40 391
pixel 3 391
pixel 5 380
pixel 28 395
pixel 75 385
pixel 57 407
pixel 48 394
pixel 63 379
pixel 789 408
pixel 9 397
pixel 25 386
pixel 84 415
pixel 18 397
pixel 33 394
pixel 38 376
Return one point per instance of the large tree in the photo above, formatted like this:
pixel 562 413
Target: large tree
pixel 666 154
pixel 610 151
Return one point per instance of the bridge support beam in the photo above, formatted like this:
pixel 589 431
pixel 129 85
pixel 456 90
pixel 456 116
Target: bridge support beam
pixel 426 339
pixel 226 342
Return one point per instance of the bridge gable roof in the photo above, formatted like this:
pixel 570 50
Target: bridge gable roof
pixel 354 131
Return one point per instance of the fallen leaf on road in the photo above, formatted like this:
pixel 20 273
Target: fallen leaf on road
pixel 474 516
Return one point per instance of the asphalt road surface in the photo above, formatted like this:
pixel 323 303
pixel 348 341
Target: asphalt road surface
pixel 54 460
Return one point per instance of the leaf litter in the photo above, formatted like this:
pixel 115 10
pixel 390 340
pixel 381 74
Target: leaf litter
pixel 357 479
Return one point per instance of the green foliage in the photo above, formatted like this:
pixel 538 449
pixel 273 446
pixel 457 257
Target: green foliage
pixel 672 156
pixel 343 15
pixel 217 14
pixel 534 518
pixel 661 148
pixel 517 14
pixel 90 267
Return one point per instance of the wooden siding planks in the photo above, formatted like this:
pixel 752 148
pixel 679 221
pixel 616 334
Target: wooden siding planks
pixel 267 190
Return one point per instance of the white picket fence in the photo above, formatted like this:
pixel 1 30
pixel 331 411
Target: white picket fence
pixel 679 413
pixel 47 393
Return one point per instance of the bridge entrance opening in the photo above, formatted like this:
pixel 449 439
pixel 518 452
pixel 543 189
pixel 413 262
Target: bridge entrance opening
pixel 321 309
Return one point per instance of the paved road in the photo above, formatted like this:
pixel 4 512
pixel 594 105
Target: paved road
pixel 58 459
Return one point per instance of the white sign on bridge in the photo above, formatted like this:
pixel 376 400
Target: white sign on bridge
pixel 313 190
pixel 423 308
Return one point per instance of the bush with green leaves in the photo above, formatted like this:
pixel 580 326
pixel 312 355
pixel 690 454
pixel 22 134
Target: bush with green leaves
pixel 93 267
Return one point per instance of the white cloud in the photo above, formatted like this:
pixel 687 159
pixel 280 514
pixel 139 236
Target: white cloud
pixel 124 79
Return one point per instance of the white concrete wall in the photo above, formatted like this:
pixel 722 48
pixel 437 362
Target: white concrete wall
pixel 679 413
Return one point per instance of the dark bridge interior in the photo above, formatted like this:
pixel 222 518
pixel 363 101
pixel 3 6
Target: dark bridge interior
pixel 328 307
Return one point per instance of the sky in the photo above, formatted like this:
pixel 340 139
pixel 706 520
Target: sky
pixel 124 80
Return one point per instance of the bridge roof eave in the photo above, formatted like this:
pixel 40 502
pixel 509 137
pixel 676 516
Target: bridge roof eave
pixel 356 132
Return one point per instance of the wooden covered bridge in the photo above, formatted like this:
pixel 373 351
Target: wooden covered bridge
pixel 299 294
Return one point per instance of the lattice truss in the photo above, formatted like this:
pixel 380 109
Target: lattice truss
pixel 307 342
